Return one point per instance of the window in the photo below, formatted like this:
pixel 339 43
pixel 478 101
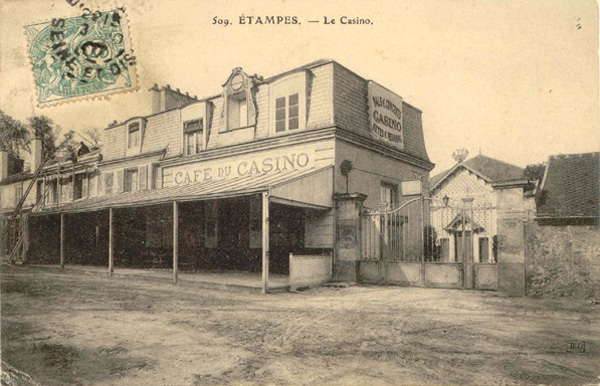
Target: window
pixel 133 139
pixel 108 183
pixel 131 180
pixel 193 139
pixel 78 187
pixel 53 192
pixel 237 111
pixel 389 194
pixel 287 118
pixel 18 194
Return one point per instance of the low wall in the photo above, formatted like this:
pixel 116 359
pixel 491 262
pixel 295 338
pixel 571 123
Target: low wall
pixel 437 275
pixel 404 273
pixel 309 270
pixel 485 276
pixel 562 260
pixel 443 275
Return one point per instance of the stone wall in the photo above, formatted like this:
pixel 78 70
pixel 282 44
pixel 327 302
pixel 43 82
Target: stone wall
pixel 562 259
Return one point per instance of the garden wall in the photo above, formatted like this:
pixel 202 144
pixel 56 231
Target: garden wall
pixel 563 260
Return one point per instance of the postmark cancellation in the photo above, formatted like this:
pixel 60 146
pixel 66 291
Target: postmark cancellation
pixel 81 57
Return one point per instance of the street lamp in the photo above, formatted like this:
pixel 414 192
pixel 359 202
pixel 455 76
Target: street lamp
pixel 446 199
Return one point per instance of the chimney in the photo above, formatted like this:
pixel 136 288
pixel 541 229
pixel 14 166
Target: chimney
pixel 158 99
pixel 3 164
pixel 166 98
pixel 36 154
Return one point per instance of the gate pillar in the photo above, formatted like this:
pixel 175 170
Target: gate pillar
pixel 348 236
pixel 511 237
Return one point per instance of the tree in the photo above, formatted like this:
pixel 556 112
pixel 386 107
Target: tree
pixel 535 172
pixel 69 146
pixel 14 136
pixel 430 247
pixel 93 136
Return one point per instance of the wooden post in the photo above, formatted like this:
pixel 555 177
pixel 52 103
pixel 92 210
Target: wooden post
pixel 425 245
pixel 464 249
pixel 73 183
pixel 58 186
pixel 265 242
pixel 490 237
pixel 111 244
pixel 62 240
pixel 175 241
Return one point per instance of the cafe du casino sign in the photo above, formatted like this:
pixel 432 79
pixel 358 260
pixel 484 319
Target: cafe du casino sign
pixel 260 164
pixel 385 115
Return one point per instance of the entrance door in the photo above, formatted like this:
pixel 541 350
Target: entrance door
pixel 464 254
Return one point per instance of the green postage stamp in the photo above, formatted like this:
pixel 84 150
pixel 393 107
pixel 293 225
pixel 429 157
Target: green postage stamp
pixel 82 57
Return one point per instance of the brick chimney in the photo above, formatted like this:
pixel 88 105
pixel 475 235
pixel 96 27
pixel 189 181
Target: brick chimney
pixel 3 164
pixel 36 154
pixel 165 98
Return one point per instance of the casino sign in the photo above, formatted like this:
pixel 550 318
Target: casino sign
pixel 385 115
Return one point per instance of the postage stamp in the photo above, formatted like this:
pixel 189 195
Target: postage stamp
pixel 81 57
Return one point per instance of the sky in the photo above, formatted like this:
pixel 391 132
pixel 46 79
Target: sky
pixel 514 80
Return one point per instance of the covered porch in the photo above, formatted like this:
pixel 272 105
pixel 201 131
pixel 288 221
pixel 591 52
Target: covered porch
pixel 238 234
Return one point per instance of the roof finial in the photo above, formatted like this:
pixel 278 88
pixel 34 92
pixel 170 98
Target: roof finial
pixel 460 155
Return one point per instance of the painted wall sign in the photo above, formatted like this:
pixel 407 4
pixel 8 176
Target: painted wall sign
pixel 385 115
pixel 411 188
pixel 258 164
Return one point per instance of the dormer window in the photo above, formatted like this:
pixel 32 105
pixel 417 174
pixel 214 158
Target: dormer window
pixel 193 136
pixel 286 113
pixel 134 136
pixel 237 110
pixel 239 107
pixel 288 103
pixel 133 139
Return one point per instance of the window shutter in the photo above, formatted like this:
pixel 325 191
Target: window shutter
pixel 120 181
pixel 109 183
pixel 91 185
pixel 84 187
pixel 143 174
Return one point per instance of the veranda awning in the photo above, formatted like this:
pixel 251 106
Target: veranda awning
pixel 310 187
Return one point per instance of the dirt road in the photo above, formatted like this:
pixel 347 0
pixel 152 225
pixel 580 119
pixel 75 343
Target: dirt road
pixel 73 329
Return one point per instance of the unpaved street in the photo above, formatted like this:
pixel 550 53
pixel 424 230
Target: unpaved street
pixel 76 329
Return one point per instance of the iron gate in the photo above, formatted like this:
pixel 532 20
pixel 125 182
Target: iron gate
pixel 428 242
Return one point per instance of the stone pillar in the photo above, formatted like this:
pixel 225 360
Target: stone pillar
pixel 511 238
pixel 348 236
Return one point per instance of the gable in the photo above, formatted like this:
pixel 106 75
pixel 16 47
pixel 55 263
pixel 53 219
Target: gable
pixel 463 183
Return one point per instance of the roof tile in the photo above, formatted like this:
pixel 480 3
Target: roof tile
pixel 571 187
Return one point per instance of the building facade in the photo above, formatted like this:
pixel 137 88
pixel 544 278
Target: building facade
pixel 236 181
pixel 468 188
